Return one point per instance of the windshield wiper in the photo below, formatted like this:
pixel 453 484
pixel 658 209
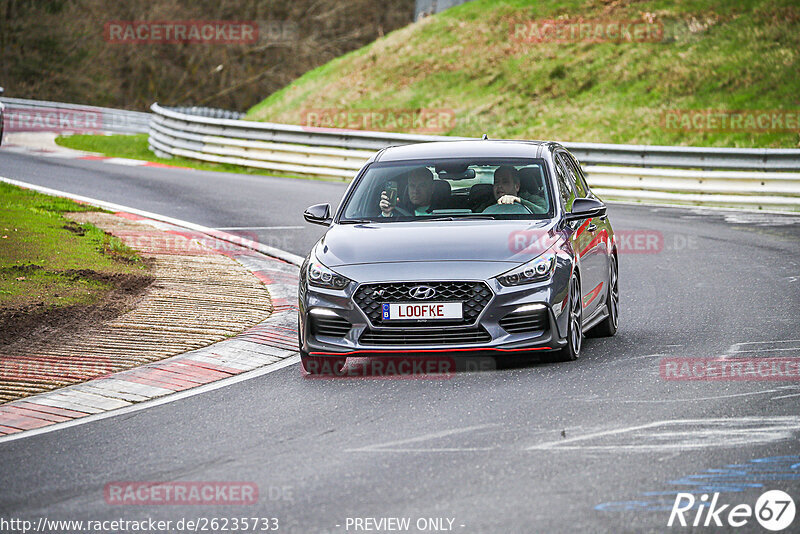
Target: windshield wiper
pixel 356 221
pixel 456 218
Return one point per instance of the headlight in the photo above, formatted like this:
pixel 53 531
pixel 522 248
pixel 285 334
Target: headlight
pixel 536 270
pixel 320 276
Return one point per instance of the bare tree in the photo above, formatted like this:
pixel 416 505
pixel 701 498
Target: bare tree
pixel 56 49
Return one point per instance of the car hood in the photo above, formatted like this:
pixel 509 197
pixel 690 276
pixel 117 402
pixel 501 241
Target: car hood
pixel 480 241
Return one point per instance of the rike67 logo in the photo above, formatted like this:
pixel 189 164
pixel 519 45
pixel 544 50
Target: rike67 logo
pixel 774 510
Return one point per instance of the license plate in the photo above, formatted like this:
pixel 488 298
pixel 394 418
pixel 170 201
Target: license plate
pixel 430 310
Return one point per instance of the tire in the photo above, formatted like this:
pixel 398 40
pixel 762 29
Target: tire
pixel 608 326
pixel 574 322
pixel 322 365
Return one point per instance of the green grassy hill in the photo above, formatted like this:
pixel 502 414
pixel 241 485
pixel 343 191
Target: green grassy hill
pixel 714 55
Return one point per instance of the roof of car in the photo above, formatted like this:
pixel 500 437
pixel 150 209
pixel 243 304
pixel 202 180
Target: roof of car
pixel 458 149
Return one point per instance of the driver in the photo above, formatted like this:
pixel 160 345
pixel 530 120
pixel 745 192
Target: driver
pixel 420 192
pixel 506 191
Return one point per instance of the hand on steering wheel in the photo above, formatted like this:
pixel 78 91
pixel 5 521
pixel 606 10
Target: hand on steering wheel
pixel 508 199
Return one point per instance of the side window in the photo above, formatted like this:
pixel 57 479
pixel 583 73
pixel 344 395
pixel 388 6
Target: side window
pixel 581 182
pixel 564 186
pixel 573 175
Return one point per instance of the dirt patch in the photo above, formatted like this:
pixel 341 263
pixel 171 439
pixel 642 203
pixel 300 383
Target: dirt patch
pixel 36 324
pixel 20 269
pixel 74 228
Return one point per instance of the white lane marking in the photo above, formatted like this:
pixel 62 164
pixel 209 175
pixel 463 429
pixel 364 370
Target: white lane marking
pixel 761 220
pixel 388 446
pixel 695 434
pixel 786 396
pixel 764 350
pixel 715 397
pixel 383 447
pixel 294 259
pixel 628 359
pixel 735 346
pixel 768 342
pixel 261 228
pixel 255 373
pixel 456 449
pixel 125 161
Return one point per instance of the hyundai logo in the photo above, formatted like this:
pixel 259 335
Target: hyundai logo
pixel 421 292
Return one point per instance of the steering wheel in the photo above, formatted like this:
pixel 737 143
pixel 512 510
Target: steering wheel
pixel 508 209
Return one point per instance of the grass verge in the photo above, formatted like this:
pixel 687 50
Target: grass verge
pixel 470 60
pixel 136 147
pixel 47 261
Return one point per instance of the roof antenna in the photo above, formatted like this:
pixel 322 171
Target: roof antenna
pixel 485 137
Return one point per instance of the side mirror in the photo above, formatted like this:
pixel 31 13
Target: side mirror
pixel 318 214
pixel 1 91
pixel 586 208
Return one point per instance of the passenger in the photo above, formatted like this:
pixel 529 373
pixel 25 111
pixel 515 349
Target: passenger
pixel 420 192
pixel 506 191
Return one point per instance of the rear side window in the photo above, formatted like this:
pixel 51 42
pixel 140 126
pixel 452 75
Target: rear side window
pixel 565 187
pixel 581 177
pixel 573 175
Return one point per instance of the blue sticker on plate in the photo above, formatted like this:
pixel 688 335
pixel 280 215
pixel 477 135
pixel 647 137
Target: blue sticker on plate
pixel 385 311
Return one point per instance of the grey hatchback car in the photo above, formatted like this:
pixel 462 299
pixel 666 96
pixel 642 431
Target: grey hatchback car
pixel 481 247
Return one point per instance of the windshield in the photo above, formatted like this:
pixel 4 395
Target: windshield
pixel 451 189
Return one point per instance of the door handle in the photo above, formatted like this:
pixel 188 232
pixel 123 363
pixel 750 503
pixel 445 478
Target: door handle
pixel 592 227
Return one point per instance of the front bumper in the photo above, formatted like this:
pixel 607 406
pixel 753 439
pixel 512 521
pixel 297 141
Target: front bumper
pixel 550 296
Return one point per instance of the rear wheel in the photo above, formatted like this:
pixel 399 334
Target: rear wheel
pixel 574 322
pixel 608 326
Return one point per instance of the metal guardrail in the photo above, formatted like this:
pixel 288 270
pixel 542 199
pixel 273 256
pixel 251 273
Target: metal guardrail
pixel 214 113
pixel 655 174
pixel 685 157
pixel 751 189
pixel 23 115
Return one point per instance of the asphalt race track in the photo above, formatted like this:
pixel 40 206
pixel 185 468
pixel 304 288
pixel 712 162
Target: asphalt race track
pixel 598 445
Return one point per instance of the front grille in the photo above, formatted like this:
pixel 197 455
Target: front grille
pixel 427 336
pixel 323 325
pixel 523 322
pixel 474 296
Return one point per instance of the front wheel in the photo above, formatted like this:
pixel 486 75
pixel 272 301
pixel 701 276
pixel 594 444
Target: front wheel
pixel 608 326
pixel 574 324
